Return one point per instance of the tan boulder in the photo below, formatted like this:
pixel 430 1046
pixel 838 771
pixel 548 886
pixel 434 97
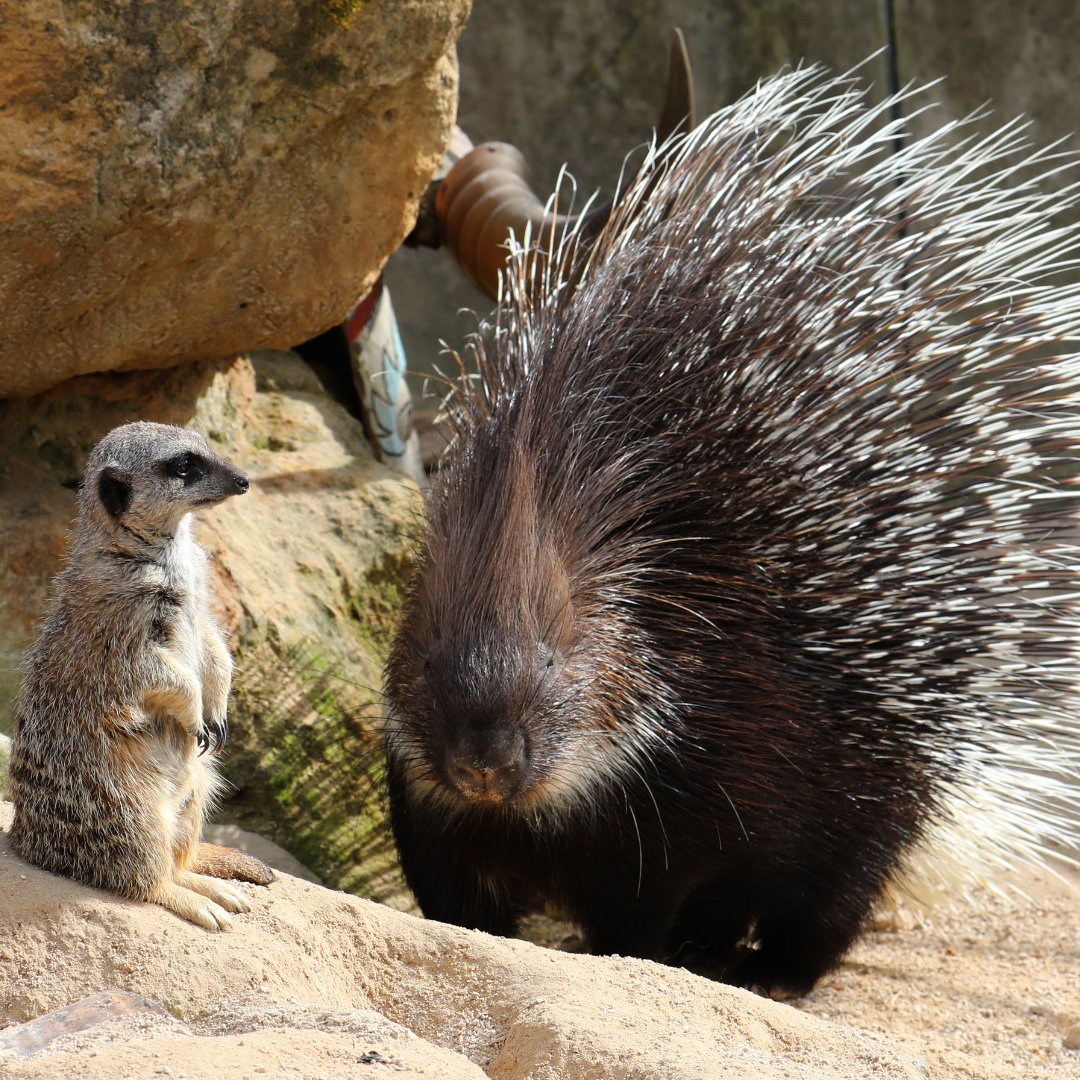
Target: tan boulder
pixel 183 180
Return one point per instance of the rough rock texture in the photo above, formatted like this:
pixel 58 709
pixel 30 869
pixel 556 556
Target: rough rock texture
pixel 311 981
pixel 185 179
pixel 306 958
pixel 233 1041
pixel 306 569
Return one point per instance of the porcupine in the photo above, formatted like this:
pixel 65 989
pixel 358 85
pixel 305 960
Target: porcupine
pixel 752 557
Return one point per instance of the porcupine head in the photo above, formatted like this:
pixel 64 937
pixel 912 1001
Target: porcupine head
pixel 506 710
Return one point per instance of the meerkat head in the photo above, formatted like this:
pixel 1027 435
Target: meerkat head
pixel 145 477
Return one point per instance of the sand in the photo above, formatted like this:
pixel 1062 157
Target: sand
pixel 317 984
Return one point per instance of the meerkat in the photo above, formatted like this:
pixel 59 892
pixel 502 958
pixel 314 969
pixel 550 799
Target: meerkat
pixel 123 702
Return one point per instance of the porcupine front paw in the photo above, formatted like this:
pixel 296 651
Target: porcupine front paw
pixel 213 733
pixel 767 977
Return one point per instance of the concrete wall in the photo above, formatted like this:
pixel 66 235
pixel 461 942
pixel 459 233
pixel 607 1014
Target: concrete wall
pixel 580 81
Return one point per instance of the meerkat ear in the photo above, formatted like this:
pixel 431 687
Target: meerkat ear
pixel 114 490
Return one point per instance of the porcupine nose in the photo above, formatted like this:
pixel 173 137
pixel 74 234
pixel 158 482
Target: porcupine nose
pixel 240 482
pixel 490 769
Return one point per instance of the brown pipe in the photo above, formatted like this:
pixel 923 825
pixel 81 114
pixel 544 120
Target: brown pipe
pixel 485 196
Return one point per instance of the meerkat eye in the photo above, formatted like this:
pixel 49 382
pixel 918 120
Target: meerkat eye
pixel 186 467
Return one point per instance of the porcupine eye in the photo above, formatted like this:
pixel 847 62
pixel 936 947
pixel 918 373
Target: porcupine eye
pixel 436 639
pixel 552 661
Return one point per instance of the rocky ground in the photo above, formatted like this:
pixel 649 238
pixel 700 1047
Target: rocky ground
pixel 314 983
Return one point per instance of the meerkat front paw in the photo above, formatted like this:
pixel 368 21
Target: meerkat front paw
pixel 227 896
pixel 212 734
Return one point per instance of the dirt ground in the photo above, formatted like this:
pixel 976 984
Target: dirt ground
pixel 310 982
pixel 990 990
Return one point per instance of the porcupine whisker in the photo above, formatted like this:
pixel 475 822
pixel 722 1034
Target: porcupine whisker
pixel 637 834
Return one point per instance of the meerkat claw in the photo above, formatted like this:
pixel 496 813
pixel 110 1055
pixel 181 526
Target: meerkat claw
pixel 217 919
pixel 212 735
pixel 221 729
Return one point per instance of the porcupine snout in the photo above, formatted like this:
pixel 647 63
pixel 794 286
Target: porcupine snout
pixel 479 693
pixel 488 765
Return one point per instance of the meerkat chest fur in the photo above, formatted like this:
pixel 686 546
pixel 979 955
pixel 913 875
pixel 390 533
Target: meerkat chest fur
pixel 182 572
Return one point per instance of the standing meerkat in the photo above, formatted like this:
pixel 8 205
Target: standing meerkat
pixel 124 694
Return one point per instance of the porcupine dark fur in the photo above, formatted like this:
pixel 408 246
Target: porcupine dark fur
pixel 752 559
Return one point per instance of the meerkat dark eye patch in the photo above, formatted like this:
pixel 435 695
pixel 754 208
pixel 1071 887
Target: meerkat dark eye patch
pixel 114 491
pixel 187 467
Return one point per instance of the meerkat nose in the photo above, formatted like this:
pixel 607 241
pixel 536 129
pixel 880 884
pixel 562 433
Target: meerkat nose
pixel 241 483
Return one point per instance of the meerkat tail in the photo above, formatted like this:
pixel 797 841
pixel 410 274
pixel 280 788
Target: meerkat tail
pixel 226 862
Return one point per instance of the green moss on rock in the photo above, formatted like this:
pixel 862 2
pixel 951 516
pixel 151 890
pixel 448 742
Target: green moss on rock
pixel 307 768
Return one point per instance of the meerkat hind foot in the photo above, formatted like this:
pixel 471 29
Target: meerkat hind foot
pixel 228 896
pixel 193 906
pixel 227 862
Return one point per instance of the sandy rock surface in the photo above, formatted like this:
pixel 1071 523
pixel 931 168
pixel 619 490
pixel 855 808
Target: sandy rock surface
pixel 243 1041
pixel 311 981
pixel 183 180
pixel 322 963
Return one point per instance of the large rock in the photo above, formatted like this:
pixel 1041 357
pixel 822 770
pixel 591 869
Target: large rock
pixel 334 977
pixel 313 983
pixel 306 572
pixel 185 179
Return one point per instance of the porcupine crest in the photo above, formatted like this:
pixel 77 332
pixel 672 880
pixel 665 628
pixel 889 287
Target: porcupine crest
pixel 792 450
